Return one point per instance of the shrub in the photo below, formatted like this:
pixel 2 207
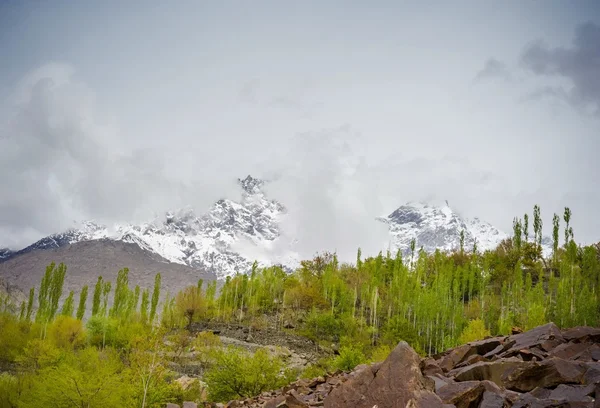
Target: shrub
pixel 236 373
pixel 474 331
pixel 349 358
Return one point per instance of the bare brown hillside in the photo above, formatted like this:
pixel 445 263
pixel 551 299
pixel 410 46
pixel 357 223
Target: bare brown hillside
pixel 89 259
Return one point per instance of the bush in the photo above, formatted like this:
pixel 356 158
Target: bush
pixel 474 331
pixel 399 329
pixel 349 358
pixel 380 353
pixel 67 332
pixel 236 373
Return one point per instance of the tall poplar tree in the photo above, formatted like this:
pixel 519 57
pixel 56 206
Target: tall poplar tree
pixel 555 230
pixel 567 218
pixel 82 301
pixel 67 309
pixel 155 297
pixel 97 297
pixel 30 304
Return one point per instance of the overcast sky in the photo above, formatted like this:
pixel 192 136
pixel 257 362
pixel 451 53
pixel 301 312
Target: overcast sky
pixel 117 111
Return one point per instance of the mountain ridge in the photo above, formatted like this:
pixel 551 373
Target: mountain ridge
pixel 227 238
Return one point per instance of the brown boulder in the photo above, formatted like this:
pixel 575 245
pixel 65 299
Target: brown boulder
pixel 573 392
pixel 568 351
pixel 532 338
pixel 492 370
pixel 397 383
pixel 462 394
pixel 493 400
pixel 548 373
pixel 582 334
pixel 453 357
pixel 274 403
pixel 430 367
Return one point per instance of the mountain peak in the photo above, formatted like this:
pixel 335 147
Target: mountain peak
pixel 251 185
pixel 433 227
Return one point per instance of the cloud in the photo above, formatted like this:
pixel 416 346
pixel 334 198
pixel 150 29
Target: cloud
pixel 327 190
pixel 579 64
pixel 493 69
pixel 248 91
pixel 60 164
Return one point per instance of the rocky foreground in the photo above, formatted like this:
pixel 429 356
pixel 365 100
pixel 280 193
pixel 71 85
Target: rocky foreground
pixel 544 367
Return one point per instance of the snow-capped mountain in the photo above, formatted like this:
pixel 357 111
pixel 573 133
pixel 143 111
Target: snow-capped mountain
pixel 232 234
pixel 440 227
pixel 210 242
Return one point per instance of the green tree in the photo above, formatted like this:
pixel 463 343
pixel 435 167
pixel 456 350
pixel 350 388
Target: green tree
pixel 144 306
pixel 30 304
pixel 237 374
pixel 476 330
pixel 555 230
pixel 67 309
pixel 97 296
pixel 567 217
pixel 188 303
pixel 121 295
pixel 88 378
pixel 155 297
pixel 82 302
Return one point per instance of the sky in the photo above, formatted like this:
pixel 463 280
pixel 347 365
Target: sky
pixel 120 111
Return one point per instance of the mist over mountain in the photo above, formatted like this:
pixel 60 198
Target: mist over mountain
pixel 231 235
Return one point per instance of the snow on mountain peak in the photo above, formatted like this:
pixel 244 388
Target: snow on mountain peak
pixel 232 234
pixel 435 227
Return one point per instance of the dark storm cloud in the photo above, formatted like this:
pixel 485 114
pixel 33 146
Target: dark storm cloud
pixel 579 63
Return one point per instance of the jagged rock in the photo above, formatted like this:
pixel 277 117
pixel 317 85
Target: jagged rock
pixel 493 400
pixel 171 405
pixel 439 381
pixel 492 371
pixel 430 367
pixel 532 338
pixel 462 394
pixel 573 392
pixel 188 404
pixel 453 357
pixel 582 334
pixel 386 387
pixel 548 373
pixel 539 368
pixel 273 403
pixel 568 351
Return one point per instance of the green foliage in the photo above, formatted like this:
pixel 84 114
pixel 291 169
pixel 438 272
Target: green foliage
pixel 474 331
pixel 189 302
pixel 50 292
pixel 238 374
pixel 155 297
pixel 432 301
pixel 67 309
pixel 349 358
pixel 88 378
pixel 67 332
pixel 30 304
pixel 82 302
pixel 97 296
pixel 14 335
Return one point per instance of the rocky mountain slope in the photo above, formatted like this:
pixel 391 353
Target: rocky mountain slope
pixel 226 239
pixel 544 367
pixel 86 260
